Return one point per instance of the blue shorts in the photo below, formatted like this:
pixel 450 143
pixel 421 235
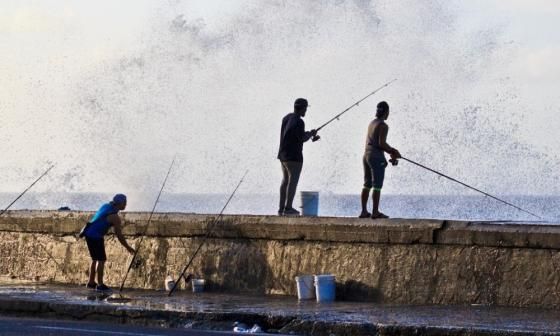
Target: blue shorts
pixel 374 172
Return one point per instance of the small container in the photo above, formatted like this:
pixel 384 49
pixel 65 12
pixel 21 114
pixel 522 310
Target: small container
pixel 169 283
pixel 305 289
pixel 325 287
pixel 309 203
pixel 198 285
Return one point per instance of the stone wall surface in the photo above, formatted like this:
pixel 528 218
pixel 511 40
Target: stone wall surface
pixel 399 261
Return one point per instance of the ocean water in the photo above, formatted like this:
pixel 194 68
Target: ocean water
pixel 400 206
pixel 212 90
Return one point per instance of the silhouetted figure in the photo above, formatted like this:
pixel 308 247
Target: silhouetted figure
pixel 290 154
pixel 95 231
pixel 374 160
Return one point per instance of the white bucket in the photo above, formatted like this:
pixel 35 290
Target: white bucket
pixel 169 283
pixel 198 285
pixel 305 287
pixel 309 203
pixel 325 287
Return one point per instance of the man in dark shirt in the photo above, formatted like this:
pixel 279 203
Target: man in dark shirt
pixel 290 154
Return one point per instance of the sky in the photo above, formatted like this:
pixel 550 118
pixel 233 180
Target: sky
pixel 105 25
pixel 92 31
pixel 61 57
pixel 531 25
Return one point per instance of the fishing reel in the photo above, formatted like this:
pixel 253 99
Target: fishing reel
pixel 137 263
pixel 314 135
pixel 394 162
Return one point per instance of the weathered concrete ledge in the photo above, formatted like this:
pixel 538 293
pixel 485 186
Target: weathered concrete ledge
pixel 331 229
pixel 392 261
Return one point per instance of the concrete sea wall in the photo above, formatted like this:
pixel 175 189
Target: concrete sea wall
pixel 400 261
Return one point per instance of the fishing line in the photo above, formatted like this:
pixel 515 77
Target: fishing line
pixel 471 187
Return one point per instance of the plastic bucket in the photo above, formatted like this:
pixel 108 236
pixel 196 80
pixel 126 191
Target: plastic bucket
pixel 325 287
pixel 305 290
pixel 198 285
pixel 309 203
pixel 169 283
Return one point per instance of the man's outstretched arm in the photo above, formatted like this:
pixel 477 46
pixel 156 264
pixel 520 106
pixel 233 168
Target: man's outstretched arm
pixel 116 221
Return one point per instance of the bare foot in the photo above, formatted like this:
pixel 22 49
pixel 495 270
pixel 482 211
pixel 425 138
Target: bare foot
pixel 378 215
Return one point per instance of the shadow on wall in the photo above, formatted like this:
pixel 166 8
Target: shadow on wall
pixel 352 290
pixel 235 265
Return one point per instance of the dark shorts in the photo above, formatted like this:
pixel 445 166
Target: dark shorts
pixel 96 247
pixel 374 172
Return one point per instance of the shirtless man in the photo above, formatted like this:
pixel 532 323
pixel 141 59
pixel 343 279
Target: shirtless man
pixel 374 160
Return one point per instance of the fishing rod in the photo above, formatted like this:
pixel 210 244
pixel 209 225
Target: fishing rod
pixel 336 117
pixel 210 229
pixel 145 228
pixel 23 193
pixel 47 252
pixel 468 186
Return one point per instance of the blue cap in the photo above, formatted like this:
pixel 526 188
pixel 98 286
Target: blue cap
pixel 119 199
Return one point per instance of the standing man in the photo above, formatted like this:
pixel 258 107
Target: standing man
pixel 94 233
pixel 374 160
pixel 290 154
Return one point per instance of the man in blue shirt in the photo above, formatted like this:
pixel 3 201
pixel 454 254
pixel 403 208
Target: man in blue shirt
pixel 95 232
pixel 290 154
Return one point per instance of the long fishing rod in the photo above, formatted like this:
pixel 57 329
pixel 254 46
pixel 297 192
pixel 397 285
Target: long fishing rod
pixel 210 229
pixel 355 104
pixel 47 252
pixel 23 193
pixel 145 228
pixel 473 188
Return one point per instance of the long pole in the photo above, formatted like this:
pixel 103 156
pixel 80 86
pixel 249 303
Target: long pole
pixel 17 224
pixel 470 187
pixel 355 104
pixel 145 228
pixel 23 193
pixel 208 231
